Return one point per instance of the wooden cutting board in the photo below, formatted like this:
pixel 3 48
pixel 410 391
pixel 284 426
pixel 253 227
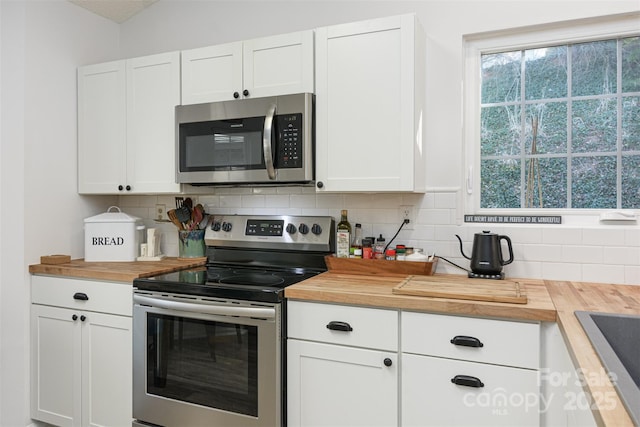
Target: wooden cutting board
pixel 468 289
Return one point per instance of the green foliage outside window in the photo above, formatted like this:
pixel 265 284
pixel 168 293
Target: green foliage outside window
pixel 560 126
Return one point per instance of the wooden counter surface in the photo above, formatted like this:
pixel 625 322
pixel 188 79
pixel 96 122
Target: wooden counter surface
pixel 116 271
pixel 377 291
pixel 548 301
pixel 607 298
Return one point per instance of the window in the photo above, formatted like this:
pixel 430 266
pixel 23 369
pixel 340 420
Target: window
pixel 556 120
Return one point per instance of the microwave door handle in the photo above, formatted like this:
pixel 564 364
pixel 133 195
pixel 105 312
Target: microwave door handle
pixel 266 142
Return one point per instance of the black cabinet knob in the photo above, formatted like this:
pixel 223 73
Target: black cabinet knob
pixel 388 362
pixel 316 229
pixel 319 184
pixel 83 318
pixel 74 317
pixel 236 95
pixel 128 188
pixel 120 188
pixel 245 92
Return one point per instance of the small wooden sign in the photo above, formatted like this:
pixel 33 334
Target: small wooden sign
pixel 515 219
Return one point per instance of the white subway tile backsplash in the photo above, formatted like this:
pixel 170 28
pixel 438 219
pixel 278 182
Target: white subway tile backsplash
pixel 603 273
pixel 556 235
pixel 603 236
pixel 560 252
pixel 230 201
pixel 582 254
pixel 253 201
pixel 530 252
pixel 306 201
pixel 561 271
pixel 621 255
pixel 444 201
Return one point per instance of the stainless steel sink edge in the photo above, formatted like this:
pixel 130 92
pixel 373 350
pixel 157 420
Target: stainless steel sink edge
pixel 627 389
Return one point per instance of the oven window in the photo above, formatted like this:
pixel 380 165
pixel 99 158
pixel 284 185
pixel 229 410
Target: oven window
pixel 222 145
pixel 207 363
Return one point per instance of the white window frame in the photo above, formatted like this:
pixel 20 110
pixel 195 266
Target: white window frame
pixel 475 45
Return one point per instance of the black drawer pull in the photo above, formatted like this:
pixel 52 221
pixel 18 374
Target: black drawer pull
pixel 81 296
pixel 339 326
pixel 466 341
pixel 467 381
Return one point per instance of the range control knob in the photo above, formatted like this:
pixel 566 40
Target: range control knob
pixel 291 229
pixel 226 226
pixel 304 228
pixel 316 229
pixel 216 226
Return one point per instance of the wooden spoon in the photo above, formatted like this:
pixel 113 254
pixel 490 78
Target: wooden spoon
pixel 196 216
pixel 174 219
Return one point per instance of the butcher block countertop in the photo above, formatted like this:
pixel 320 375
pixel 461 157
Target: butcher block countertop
pixel 606 298
pixel 377 291
pixel 547 301
pixel 116 271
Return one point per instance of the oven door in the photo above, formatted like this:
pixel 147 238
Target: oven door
pixel 198 362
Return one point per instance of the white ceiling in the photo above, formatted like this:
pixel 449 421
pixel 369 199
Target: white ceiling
pixel 115 10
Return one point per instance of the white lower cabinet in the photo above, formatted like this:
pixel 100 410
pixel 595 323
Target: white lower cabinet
pixel 358 366
pixel 342 366
pixel 334 385
pixel 487 395
pixel 81 359
pixel 460 371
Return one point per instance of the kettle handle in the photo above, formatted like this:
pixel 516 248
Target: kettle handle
pixel 510 260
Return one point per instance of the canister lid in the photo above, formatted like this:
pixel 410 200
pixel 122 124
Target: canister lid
pixel 110 216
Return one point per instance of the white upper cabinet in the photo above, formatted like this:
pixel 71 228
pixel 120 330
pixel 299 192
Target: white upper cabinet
pixel 126 125
pixel 370 85
pixel 102 122
pixel 268 66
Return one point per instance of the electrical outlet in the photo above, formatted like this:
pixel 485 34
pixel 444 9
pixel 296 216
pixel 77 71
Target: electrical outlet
pixel 407 213
pixel 161 212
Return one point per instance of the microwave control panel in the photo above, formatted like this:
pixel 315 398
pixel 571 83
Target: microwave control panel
pixel 289 141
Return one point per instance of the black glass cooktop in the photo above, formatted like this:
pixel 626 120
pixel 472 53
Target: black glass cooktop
pixel 241 283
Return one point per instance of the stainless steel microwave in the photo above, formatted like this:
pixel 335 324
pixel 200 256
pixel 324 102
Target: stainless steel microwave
pixel 250 141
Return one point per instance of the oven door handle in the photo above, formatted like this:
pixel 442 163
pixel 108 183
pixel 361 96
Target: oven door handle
pixel 259 312
pixel 266 142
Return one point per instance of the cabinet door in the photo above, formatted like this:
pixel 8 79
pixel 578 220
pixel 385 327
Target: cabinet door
pixel 331 385
pixel 55 366
pixel 367 92
pixel 101 128
pixel 279 65
pixel 508 397
pixel 107 378
pixel 153 91
pixel 212 73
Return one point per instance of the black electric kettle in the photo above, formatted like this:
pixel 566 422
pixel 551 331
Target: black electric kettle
pixel 486 255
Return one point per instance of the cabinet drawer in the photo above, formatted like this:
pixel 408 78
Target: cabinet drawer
pixel 370 327
pixel 508 396
pixel 499 342
pixel 105 297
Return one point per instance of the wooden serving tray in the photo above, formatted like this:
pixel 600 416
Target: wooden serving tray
pixel 464 288
pixel 379 267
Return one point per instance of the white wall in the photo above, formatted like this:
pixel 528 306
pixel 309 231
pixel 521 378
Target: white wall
pixel 40 213
pixel 568 252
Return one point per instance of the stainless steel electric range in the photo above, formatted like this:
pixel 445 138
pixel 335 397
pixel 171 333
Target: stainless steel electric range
pixel 209 342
